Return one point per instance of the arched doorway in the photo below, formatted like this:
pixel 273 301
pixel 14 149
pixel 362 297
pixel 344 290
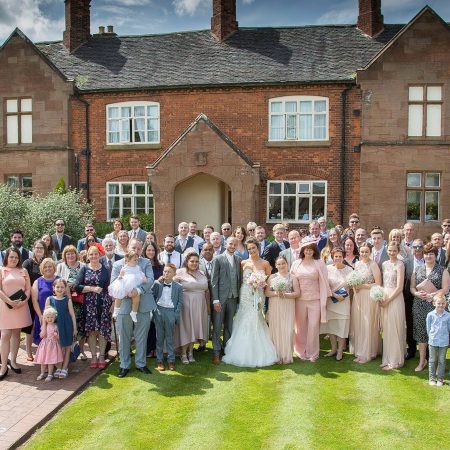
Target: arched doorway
pixel 203 198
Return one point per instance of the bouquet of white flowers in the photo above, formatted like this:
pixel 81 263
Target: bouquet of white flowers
pixel 257 280
pixel 376 293
pixel 278 284
pixel 355 278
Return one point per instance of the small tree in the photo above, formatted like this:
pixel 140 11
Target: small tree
pixel 13 211
pixel 60 186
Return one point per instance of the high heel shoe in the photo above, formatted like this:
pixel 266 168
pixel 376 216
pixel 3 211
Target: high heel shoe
pixel 2 377
pixel 17 370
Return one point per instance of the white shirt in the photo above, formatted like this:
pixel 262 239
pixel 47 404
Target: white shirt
pixel 166 297
pixel 230 257
pixel 175 258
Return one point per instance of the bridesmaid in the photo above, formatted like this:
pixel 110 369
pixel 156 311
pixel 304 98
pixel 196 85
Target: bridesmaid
pixel 338 312
pixel 282 311
pixel 14 314
pixel 310 307
pixel 365 339
pixel 393 310
pixel 193 324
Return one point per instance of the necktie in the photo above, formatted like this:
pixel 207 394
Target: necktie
pixel 169 255
pixel 377 257
pixel 110 264
pixel 134 234
pixel 208 267
pixel 167 285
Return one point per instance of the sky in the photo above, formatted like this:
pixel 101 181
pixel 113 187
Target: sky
pixel 43 20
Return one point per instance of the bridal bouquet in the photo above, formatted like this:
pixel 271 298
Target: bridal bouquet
pixel 355 279
pixel 278 284
pixel 257 280
pixel 376 293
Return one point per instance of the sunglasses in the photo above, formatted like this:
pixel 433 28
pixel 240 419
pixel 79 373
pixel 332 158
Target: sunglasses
pixel 417 246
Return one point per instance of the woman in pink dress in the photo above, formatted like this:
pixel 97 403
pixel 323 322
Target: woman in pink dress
pixel 282 310
pixel 310 307
pixel 14 312
pixel 365 339
pixel 393 322
pixel 193 324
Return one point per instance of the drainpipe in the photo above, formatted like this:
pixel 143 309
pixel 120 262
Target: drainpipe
pixel 86 152
pixel 77 172
pixel 343 148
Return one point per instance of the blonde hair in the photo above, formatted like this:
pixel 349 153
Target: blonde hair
pixel 439 297
pixel 49 311
pixel 46 261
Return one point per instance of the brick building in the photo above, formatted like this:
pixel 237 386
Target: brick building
pixel 228 124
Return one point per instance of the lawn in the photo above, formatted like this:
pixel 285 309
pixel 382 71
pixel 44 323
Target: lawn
pixel 325 405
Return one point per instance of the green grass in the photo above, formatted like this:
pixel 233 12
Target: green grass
pixel 326 405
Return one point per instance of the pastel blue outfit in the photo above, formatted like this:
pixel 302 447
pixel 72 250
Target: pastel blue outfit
pixel 63 320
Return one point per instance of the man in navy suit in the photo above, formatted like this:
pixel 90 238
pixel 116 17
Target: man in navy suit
pixel 260 235
pixel 315 236
pixel 60 240
pixel 272 251
pixel 109 258
pixel 88 229
pixel 16 237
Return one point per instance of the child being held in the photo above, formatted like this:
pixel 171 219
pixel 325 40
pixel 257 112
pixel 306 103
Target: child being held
pixel 438 329
pixel 130 277
pixel 49 351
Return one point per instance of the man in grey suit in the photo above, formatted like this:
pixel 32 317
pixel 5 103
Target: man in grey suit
pixel 225 284
pixel 438 241
pixel 292 253
pixel 144 315
pixel 136 231
pixel 379 253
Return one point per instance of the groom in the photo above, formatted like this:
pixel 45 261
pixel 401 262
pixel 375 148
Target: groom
pixel 225 284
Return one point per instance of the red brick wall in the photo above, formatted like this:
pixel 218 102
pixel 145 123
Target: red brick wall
pixel 242 113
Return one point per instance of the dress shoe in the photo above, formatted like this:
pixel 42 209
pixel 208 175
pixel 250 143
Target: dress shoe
pixel 410 355
pixel 201 348
pixel 144 369
pixel 123 373
pixel 17 370
pixel 5 374
pixel 216 360
pixel 171 366
pixel 161 367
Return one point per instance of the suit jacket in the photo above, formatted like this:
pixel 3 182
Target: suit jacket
pixel 66 240
pixel 221 277
pixel 104 261
pixel 271 253
pixel 222 249
pixel 189 243
pixel 383 257
pixel 141 235
pixel 176 295
pixel 147 302
pixel 202 267
pixel 262 246
pixel 81 244
pixel 441 257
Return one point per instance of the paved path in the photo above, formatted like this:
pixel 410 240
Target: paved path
pixel 26 404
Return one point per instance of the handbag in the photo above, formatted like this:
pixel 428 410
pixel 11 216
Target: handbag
pixel 19 295
pixel 77 298
pixel 75 351
pixel 341 291
pixel 427 286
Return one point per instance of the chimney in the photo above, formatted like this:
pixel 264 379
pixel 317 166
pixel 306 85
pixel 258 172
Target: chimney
pixel 370 19
pixel 223 21
pixel 78 23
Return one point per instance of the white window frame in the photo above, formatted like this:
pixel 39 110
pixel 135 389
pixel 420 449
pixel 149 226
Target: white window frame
pixel 19 120
pixel 148 195
pixel 122 121
pixel 423 189
pixel 19 182
pixel 296 116
pixel 298 196
pixel 422 104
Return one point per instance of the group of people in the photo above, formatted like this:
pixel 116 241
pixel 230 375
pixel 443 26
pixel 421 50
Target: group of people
pixel 259 301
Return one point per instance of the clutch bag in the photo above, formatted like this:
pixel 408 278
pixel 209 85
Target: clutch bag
pixel 427 286
pixel 19 295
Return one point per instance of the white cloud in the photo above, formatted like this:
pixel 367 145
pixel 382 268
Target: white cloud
pixel 189 7
pixel 339 16
pixel 247 2
pixel 28 16
pixel 132 2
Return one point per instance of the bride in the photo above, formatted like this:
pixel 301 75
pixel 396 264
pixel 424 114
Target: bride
pixel 250 344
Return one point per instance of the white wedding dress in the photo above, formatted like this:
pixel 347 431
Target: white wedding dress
pixel 250 344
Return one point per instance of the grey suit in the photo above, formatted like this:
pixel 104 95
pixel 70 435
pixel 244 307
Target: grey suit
pixel 289 257
pixel 225 289
pixel 141 234
pixel 144 316
pixel 441 257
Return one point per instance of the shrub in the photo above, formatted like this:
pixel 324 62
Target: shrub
pixel 146 221
pixel 13 211
pixel 60 186
pixel 103 228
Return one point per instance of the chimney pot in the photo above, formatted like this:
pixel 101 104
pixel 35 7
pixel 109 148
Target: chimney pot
pixel 223 21
pixel 110 29
pixel 101 30
pixel 370 19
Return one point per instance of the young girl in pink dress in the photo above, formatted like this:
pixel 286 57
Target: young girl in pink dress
pixel 49 351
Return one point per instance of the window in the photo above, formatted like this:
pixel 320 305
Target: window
pixel 19 121
pixel 296 201
pixel 424 111
pixel 133 123
pixel 298 119
pixel 422 196
pixel 128 198
pixel 22 182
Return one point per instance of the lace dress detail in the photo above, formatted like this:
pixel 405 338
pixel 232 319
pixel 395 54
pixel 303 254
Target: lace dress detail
pixel 250 344
pixel 365 269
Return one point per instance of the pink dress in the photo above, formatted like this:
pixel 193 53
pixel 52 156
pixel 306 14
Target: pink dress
pixel 49 350
pixel 12 280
